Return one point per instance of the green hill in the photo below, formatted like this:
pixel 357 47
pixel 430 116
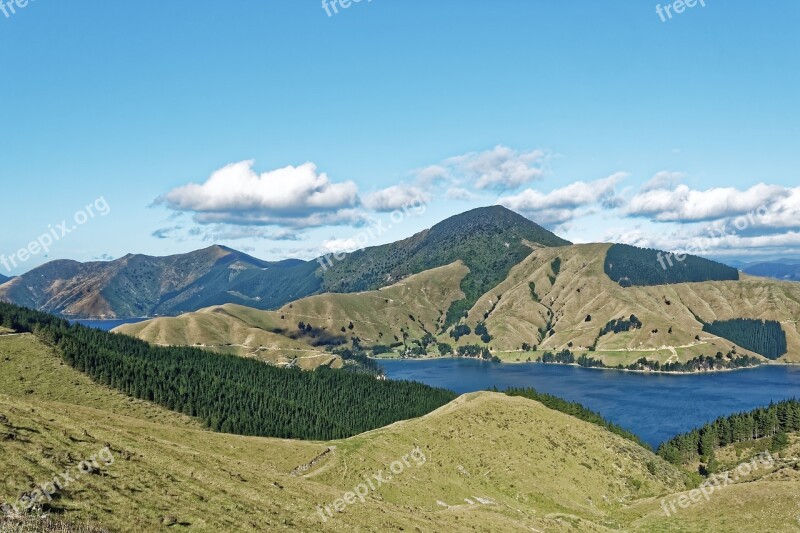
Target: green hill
pixel 489 241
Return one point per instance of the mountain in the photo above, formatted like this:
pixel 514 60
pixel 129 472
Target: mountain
pixel 3 279
pixel 488 240
pixel 783 269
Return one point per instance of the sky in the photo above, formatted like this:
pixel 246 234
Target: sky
pixel 288 129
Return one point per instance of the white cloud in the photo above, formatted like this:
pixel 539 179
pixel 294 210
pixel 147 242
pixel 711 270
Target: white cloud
pixel 458 193
pixel 682 204
pixel 566 203
pixel 290 196
pixel 498 168
pixel 333 246
pixel 395 197
pixel 663 180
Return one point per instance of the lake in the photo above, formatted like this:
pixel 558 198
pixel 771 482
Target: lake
pixel 654 406
pixel 108 325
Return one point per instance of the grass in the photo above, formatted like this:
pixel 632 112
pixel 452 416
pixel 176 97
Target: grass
pixel 492 463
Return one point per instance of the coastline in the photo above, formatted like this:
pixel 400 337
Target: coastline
pixel 674 373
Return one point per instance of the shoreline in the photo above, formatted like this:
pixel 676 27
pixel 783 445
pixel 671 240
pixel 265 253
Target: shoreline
pixel 674 373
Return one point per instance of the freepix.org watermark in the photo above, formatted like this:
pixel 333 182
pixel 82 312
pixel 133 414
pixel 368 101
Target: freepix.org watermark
pixel 716 236
pixel 55 233
pixel 331 7
pixel 677 7
pixel 10 7
pixel 372 483
pixel 376 228
pixel 716 482
pixel 44 492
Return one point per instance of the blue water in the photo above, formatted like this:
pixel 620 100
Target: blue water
pixel 656 407
pixel 108 325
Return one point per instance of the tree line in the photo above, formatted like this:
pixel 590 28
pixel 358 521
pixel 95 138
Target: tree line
pixel 772 422
pixel 765 337
pixel 700 363
pixel 228 393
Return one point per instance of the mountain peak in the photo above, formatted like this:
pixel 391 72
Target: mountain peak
pixel 501 220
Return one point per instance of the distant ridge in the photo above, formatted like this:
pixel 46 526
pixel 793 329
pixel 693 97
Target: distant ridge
pixel 783 269
pixel 141 285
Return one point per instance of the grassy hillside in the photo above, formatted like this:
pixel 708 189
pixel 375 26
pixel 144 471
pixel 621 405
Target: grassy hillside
pixel 553 298
pixel 486 462
pixel 413 306
pixel 575 304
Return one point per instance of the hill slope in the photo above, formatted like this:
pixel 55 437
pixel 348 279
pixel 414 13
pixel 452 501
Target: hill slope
pixel 533 305
pixel 517 474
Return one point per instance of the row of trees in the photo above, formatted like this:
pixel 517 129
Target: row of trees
pixel 698 364
pixel 765 422
pixel 765 337
pixel 230 393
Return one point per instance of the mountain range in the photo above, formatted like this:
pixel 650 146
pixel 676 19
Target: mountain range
pixel 488 278
pixel 783 269
pixel 490 240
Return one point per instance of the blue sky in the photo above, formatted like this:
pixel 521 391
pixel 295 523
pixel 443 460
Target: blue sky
pixel 314 127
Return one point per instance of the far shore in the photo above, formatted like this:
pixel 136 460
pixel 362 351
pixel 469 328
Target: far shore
pixel 694 372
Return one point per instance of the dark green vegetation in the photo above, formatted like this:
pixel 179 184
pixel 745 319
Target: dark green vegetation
pixel 632 266
pixel 229 393
pixel 773 421
pixel 764 337
pixel 534 296
pixel 488 240
pixel 574 409
pixel 619 325
pixel 459 331
pixel 698 364
pixel 474 351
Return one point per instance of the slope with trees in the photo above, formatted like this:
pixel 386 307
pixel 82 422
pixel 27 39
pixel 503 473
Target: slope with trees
pixel 632 266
